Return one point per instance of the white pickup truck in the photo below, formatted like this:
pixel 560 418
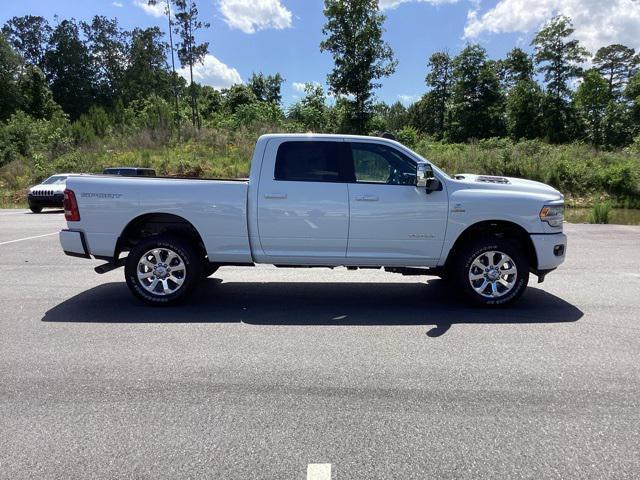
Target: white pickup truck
pixel 320 201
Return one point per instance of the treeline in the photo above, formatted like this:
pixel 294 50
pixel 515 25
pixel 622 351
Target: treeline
pixel 101 77
pixel 82 85
pixel 471 96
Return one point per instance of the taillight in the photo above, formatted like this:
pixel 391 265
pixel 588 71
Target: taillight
pixel 71 212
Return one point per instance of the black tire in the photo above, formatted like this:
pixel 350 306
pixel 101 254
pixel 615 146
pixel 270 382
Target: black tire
pixel 191 274
pixel 462 270
pixel 35 208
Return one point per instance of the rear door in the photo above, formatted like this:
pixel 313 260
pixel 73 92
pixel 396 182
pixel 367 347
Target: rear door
pixel 392 222
pixel 303 203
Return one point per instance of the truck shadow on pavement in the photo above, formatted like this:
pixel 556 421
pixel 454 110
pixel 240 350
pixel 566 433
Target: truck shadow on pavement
pixel 305 304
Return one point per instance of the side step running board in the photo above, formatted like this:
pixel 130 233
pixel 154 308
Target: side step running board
pixel 108 267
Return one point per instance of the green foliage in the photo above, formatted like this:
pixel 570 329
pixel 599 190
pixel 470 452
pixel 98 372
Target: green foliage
pixel 147 67
pixel 592 98
pixel 71 73
pixel 237 96
pixel 575 169
pixel 524 110
pixel 80 99
pixel 190 52
pixel 440 80
pixel 267 88
pixel 558 56
pixel 599 213
pixel 353 35
pixel 311 112
pixel 517 67
pixel 29 36
pixel 107 44
pixel 616 63
pixel 9 67
pixel 477 98
pixel 408 136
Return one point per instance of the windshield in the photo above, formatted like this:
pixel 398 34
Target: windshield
pixel 55 180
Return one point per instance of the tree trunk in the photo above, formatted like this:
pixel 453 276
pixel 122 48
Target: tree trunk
pixel 173 69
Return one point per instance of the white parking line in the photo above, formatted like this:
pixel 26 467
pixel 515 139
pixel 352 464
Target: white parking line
pixel 28 238
pixel 319 471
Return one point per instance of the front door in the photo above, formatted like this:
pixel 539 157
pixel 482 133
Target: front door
pixel 391 219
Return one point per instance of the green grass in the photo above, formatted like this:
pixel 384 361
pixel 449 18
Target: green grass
pixel 600 212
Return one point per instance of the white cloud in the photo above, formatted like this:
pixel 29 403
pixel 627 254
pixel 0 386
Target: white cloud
pixel 300 86
pixel 407 100
pixel 212 72
pixel 156 10
pixel 597 22
pixel 390 4
pixel 253 15
pixel 117 4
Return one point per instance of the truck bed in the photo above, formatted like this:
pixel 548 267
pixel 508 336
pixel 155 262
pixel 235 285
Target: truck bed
pixel 216 208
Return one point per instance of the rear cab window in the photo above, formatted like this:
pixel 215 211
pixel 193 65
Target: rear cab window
pixel 311 161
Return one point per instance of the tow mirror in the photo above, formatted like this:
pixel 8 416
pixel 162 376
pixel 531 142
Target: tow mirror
pixel 425 178
pixel 421 175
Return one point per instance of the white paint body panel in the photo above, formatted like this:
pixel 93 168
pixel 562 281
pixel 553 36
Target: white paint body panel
pixel 300 219
pixel 217 209
pixel 312 223
pixel 71 242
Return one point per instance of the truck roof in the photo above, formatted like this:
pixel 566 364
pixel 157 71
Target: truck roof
pixel 326 136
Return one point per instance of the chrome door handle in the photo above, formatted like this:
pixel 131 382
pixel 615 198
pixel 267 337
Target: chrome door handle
pixel 367 198
pixel 275 195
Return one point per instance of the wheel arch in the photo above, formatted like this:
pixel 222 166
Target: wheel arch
pixel 497 229
pixel 157 223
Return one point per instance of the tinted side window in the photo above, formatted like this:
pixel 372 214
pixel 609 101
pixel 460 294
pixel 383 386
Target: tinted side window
pixel 374 163
pixel 310 161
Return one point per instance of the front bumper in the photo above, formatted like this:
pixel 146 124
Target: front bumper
pixel 551 249
pixel 51 201
pixel 74 244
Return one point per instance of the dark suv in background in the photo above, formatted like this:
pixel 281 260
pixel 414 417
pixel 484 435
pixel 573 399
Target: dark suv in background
pixel 130 172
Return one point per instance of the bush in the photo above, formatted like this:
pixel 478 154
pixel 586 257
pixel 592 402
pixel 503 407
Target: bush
pixel 600 212
pixel 408 136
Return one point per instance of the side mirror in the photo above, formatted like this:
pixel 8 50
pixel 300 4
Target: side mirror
pixel 421 175
pixel 433 185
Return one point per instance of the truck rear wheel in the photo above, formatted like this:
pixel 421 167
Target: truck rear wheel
pixel 162 270
pixel 492 271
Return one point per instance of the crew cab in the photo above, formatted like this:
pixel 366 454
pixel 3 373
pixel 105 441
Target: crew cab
pixel 320 201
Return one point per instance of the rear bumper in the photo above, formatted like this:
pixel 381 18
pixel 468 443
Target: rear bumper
pixel 551 250
pixel 74 244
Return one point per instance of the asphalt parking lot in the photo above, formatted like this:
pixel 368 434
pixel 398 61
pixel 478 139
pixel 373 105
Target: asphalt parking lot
pixel 267 371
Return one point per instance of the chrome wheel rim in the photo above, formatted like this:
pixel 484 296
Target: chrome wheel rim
pixel 161 271
pixel 493 274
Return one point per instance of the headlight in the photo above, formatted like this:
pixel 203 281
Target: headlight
pixel 552 214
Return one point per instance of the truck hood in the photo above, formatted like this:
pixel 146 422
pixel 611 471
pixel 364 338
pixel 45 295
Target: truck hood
pixel 489 182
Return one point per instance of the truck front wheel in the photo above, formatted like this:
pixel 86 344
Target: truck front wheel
pixel 162 270
pixel 492 271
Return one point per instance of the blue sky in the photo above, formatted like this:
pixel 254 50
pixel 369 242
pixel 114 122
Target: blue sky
pixel 283 35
